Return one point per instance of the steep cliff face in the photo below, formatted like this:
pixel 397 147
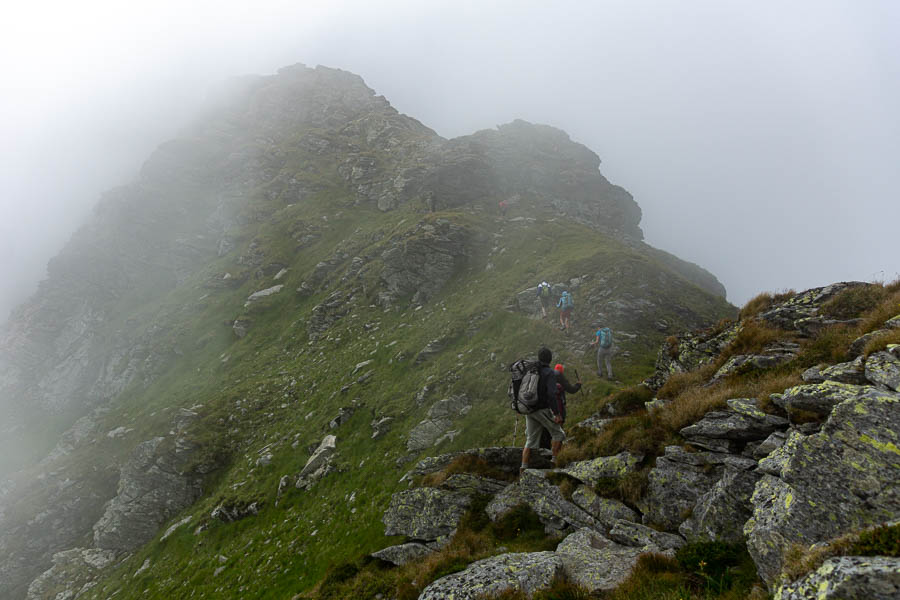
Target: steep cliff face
pixel 295 231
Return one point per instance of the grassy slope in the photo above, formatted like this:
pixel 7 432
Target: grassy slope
pixel 277 388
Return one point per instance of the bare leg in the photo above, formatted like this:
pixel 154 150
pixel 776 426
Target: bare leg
pixel 554 449
pixel 526 457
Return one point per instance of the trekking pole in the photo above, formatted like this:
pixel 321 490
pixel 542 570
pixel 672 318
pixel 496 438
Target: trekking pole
pixel 578 379
pixel 516 430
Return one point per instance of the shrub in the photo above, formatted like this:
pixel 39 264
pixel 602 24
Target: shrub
pixel 829 345
pixel 880 541
pixel 630 399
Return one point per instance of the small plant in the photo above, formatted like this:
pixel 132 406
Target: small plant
pixel 880 541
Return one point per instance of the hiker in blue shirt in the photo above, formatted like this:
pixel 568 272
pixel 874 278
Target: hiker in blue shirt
pixel 604 341
pixel 565 306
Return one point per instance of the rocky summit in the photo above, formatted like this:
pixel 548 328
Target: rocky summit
pixel 275 365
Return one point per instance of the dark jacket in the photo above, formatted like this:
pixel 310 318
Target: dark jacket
pixel 547 388
pixel 563 386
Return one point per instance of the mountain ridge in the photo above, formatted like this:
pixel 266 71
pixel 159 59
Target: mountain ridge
pixel 388 246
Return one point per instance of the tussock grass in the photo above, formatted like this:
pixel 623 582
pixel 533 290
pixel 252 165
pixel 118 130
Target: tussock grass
pixel 854 301
pixel 681 382
pixel 466 463
pixel 888 308
pixel 881 342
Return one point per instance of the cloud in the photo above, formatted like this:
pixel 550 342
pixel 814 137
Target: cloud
pixel 761 140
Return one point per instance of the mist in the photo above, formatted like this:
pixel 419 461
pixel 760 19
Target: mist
pixel 760 139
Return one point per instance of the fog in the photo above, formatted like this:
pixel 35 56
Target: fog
pixel 761 139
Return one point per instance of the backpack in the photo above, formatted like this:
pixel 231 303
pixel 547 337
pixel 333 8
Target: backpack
pixel 523 385
pixel 545 290
pixel 567 300
pixel 605 337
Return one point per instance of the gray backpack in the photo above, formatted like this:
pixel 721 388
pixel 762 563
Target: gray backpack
pixel 523 386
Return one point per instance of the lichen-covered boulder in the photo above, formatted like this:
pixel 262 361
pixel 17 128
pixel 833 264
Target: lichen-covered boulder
pixel 819 398
pixel 804 305
pixel 526 572
pixel 720 513
pixel 402 553
pixel 842 479
pixel 679 479
pixel 742 421
pixel 593 471
pixel 646 538
pixel 544 498
pixel 742 362
pixel 424 513
pixel 848 372
pixel 774 463
pixel 883 368
pixel 605 510
pixel 847 578
pixel 595 562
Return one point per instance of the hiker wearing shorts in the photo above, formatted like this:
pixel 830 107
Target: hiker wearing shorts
pixel 544 417
pixel 604 343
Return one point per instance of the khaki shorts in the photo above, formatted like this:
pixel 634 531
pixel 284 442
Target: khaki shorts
pixel 538 420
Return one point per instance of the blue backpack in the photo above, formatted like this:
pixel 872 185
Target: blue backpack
pixel 605 337
pixel 567 300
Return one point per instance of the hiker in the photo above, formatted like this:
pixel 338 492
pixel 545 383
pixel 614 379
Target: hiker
pixel 545 416
pixel 543 292
pixel 565 304
pixel 562 387
pixel 604 342
pixel 502 205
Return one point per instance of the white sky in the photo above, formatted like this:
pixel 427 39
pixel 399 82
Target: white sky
pixel 761 138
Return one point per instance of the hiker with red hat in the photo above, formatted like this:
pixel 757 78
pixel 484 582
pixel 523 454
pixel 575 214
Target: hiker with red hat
pixel 563 386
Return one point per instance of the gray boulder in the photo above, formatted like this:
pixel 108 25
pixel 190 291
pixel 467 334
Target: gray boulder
pixel 256 296
pixel 679 479
pixel 438 421
pixel 526 572
pixel 742 362
pixel 800 311
pixel 720 513
pixel 775 462
pixel 648 539
pixel 403 553
pixel 593 471
pixel 847 578
pixel 743 421
pixel 424 513
pixel 319 464
pixel 770 444
pixel 605 510
pixel 848 372
pixel 545 499
pixel 818 398
pixel 839 480
pixel 151 490
pixel 883 368
pixel 595 562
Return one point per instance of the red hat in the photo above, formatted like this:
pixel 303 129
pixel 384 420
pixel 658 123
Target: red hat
pixel 559 367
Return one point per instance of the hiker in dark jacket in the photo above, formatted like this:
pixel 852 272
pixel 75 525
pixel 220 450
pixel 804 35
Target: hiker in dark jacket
pixel 545 417
pixel 563 386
